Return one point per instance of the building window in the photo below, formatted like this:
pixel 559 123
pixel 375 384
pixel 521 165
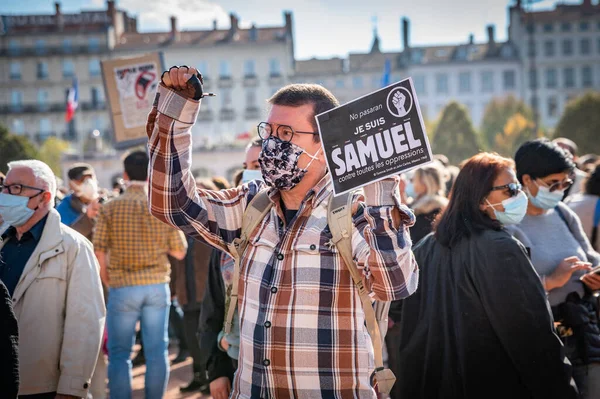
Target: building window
pixel 419 82
pixel 531 48
pixel 45 126
pixel 534 103
pixel 569 77
pixel 464 82
pixel 13 47
pixel 598 45
pixel 42 99
pixel 549 48
pixel 249 71
pixel 587 78
pixel 548 28
pixel 94 67
pixel 441 83
pixel 18 126
pixel 552 107
pixel 224 70
pixel 40 46
pixel 251 98
pixel 15 71
pixel 339 83
pixel 585 47
pixel 487 81
pixel 95 97
pixel 509 79
pixel 274 67
pixel 565 27
pixel 225 98
pixel 551 81
pixel 532 79
pixel 16 99
pixel 530 28
pixel 416 56
pixel 567 47
pixel 67 46
pixel 68 69
pixel 357 82
pixel 93 44
pixel 584 26
pixel 42 70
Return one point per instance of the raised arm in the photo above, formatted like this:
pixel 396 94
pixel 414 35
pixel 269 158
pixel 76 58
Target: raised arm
pixel 211 216
pixel 381 242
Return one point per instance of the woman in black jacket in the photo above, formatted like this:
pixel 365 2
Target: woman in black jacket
pixel 9 344
pixel 466 333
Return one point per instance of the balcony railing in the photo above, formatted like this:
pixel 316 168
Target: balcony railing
pixel 250 81
pixel 227 114
pixel 46 51
pixel 49 107
pixel 205 115
pixel 225 82
pixel 252 113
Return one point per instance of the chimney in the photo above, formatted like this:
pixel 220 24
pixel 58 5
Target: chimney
pixel 59 18
pixel 174 31
pixel 111 10
pixel 587 5
pixel 405 33
pixel 234 22
pixel 491 32
pixel 471 39
pixel 288 23
pixel 518 4
pixel 253 33
pixel 214 24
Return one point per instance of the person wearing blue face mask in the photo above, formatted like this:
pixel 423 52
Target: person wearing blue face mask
pixel 53 278
pixel 562 255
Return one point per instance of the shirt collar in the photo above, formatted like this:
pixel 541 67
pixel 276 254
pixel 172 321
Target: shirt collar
pixel 36 231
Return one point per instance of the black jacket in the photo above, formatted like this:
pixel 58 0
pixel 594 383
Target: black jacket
pixel 9 347
pixel 218 363
pixel 479 326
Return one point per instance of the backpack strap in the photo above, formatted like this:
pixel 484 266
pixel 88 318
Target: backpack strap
pixel 255 213
pixel 339 218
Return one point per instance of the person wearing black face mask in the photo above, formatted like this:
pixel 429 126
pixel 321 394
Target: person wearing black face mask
pixel 301 331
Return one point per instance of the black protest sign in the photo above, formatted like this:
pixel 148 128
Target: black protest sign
pixel 373 137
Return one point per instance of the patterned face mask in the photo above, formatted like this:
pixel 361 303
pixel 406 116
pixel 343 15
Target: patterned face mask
pixel 279 163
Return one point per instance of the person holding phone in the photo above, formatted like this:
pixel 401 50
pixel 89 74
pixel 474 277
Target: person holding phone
pixel 562 255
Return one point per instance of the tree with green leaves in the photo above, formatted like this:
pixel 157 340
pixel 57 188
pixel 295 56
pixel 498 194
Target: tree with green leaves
pixel 14 148
pixel 51 153
pixel 454 135
pixel 580 122
pixel 518 130
pixel 496 115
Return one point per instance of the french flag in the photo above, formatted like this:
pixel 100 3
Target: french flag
pixel 72 98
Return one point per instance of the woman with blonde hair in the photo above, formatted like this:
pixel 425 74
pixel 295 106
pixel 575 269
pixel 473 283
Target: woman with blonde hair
pixel 427 188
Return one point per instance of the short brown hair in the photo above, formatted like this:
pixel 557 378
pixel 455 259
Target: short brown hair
pixel 299 94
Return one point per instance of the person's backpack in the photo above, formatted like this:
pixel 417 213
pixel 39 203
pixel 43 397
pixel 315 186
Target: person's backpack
pixel 339 218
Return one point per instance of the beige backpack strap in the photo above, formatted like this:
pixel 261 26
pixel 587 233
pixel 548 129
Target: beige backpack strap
pixel 254 214
pixel 339 218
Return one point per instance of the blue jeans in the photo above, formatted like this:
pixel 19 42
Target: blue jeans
pixel 126 305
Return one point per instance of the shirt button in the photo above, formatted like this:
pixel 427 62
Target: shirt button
pixel 267 324
pixel 266 362
pixel 280 256
pixel 313 247
pixel 274 290
pixel 280 223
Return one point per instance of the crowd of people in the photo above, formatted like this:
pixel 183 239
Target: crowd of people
pixel 488 269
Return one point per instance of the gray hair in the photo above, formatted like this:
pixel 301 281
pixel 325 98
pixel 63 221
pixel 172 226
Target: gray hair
pixel 42 172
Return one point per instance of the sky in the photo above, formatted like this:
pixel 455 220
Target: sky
pixel 322 29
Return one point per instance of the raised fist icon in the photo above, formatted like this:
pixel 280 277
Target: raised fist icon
pixel 398 100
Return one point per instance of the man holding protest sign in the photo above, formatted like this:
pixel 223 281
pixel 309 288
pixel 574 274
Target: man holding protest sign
pixel 302 325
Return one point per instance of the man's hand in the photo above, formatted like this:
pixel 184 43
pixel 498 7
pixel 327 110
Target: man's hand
pixel 61 396
pixel 564 271
pixel 93 209
pixel 177 78
pixel 220 388
pixel 592 281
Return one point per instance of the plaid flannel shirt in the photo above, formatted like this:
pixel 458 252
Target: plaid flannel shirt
pixel 302 328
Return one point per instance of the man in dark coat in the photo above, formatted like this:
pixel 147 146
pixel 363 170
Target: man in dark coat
pixel 9 344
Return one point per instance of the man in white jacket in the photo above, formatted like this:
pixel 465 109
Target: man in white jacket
pixel 53 277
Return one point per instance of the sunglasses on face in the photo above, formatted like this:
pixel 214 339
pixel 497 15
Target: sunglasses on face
pixel 560 185
pixel 512 188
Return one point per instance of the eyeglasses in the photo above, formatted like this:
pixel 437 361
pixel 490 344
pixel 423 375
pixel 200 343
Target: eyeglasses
pixel 513 188
pixel 283 132
pixel 560 185
pixel 17 189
